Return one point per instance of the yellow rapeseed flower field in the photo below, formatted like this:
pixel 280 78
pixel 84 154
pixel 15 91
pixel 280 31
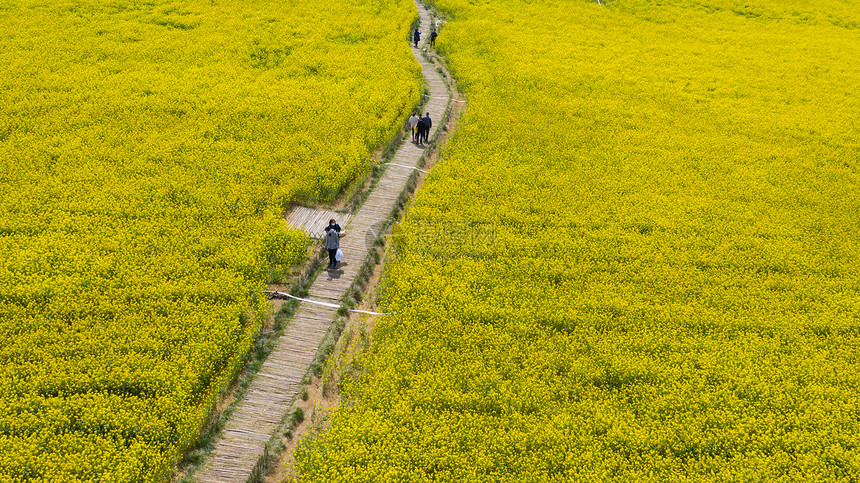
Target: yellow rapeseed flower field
pixel 636 261
pixel 147 152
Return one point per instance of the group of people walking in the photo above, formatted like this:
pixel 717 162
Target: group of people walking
pixel 420 127
pixel 416 37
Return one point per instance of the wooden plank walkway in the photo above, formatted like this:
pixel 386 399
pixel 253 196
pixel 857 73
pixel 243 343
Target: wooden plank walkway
pixel 270 395
pixel 313 222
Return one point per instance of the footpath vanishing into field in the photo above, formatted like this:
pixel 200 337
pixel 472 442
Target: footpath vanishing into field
pixel 270 395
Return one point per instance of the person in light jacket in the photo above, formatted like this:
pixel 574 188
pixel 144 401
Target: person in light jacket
pixel 413 122
pixel 332 243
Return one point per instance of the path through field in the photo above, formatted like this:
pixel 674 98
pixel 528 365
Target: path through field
pixel 269 396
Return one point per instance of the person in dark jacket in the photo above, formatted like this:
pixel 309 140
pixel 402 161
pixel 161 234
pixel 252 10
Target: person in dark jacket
pixel 433 36
pixel 428 123
pixel 416 36
pixel 419 130
pixel 333 224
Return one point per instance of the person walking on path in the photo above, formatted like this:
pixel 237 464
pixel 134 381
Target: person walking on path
pixel 428 123
pixel 416 36
pixel 433 36
pixel 419 131
pixel 413 123
pixel 332 243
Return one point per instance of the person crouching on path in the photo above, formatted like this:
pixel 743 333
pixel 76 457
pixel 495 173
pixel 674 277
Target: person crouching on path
pixel 428 123
pixel 332 242
pixel 413 122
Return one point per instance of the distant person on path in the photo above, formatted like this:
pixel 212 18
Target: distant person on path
pixel 433 36
pixel 416 36
pixel 332 243
pixel 413 123
pixel 428 123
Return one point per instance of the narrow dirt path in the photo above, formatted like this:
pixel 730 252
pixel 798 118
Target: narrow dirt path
pixel 270 395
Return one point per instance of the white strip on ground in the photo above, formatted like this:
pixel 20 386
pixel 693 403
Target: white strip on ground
pixel 410 167
pixel 442 98
pixel 326 304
